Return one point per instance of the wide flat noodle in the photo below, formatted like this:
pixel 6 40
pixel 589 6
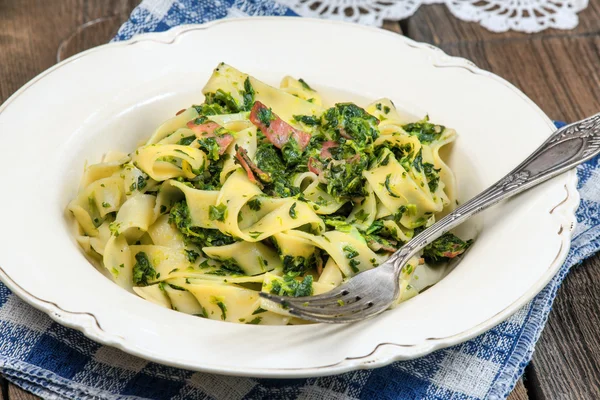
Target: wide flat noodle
pixel 225 302
pixel 199 203
pixel 285 105
pixel 153 294
pixel 364 212
pixel 318 288
pixel 300 89
pixel 164 234
pixel 117 260
pixel 96 201
pixel 348 249
pixel 135 217
pixel 160 161
pixel 102 170
pixel 246 139
pixel 395 188
pixel 171 125
pixel 278 220
pixel 385 111
pixel 446 174
pixel 252 258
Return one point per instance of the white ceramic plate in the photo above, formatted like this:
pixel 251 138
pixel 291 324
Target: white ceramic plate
pixel 113 96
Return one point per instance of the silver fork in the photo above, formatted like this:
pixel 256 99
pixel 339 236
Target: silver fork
pixel 373 291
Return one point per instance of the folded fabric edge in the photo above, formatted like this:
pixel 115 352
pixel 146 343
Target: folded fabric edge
pixel 46 383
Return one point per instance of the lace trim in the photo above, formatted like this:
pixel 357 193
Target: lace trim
pixel 496 15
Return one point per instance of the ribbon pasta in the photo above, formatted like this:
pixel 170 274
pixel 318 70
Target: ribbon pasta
pixel 265 189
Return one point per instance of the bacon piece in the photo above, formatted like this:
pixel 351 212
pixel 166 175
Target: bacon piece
pixel 353 159
pixel 315 166
pixel 376 245
pixel 277 131
pixel 345 134
pixel 452 254
pixel 325 153
pixel 319 265
pixel 251 168
pixel 223 141
pixel 207 130
pixel 245 165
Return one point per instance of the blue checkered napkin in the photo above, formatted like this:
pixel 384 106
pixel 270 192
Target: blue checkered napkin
pixel 60 363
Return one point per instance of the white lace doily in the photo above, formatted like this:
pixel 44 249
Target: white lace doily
pixel 496 15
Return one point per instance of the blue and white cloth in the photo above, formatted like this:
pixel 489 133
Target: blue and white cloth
pixel 60 363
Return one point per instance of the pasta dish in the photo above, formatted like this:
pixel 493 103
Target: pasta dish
pixel 266 189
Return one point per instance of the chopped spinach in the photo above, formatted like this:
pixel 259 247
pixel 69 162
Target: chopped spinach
pixel 141 183
pixel 424 130
pixel 268 160
pixel 224 100
pixel 305 85
pixel 299 264
pixel 143 271
pixel 292 211
pixel 186 141
pixel 444 248
pixel 203 237
pixel 248 95
pixel 254 204
pixel 191 255
pixel 217 213
pixel 290 286
pixel 210 109
pixel 309 120
pixel 210 147
pixel 349 121
pixel 350 251
pixel 265 115
pixel 219 302
pixel 258 311
pixel 291 152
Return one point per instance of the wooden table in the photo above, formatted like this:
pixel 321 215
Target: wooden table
pixel 559 70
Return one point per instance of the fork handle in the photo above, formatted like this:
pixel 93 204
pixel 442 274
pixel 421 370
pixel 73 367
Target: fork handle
pixel 566 148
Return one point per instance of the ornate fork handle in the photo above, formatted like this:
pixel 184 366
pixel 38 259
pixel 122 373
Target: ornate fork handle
pixel 566 148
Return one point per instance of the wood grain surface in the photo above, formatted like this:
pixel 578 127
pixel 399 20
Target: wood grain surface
pixel 32 30
pixel 16 393
pixel 519 392
pixel 559 70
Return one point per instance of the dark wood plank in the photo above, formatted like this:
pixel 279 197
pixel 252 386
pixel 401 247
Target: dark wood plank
pixel 435 24
pixel 560 74
pixel 393 26
pixel 3 388
pixel 16 393
pixel 565 362
pixel 33 29
pixel 567 60
pixel 519 392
